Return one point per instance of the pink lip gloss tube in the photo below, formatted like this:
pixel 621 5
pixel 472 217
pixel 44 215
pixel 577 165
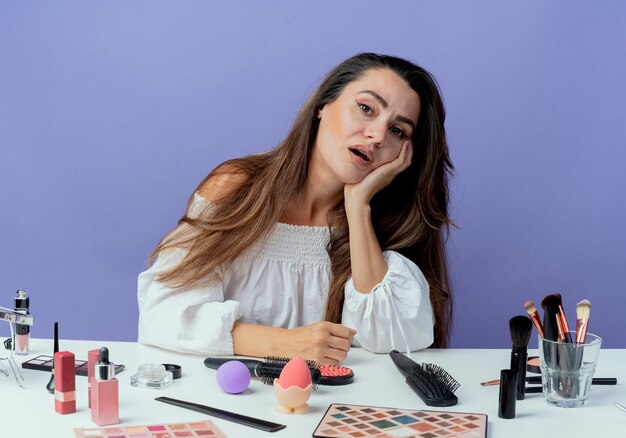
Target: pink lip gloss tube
pixel 64 382
pixel 22 332
pixel 104 392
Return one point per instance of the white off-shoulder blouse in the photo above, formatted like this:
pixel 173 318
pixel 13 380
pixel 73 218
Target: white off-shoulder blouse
pixel 282 281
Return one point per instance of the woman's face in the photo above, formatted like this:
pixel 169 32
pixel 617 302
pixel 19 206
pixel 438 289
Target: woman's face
pixel 365 126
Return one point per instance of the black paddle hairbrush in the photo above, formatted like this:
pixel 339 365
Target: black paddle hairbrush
pixel 430 382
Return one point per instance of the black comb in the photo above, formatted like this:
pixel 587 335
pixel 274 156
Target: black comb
pixel 434 385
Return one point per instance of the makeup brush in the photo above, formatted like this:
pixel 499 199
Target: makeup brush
pixel 566 334
pixel 430 382
pixel 520 328
pixel 551 325
pixel 583 309
pixel 50 385
pixel 534 316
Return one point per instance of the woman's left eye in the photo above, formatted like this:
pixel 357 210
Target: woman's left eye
pixel 365 108
pixel 397 132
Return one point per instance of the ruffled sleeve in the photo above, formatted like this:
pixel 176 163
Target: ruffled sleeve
pixel 189 320
pixel 396 314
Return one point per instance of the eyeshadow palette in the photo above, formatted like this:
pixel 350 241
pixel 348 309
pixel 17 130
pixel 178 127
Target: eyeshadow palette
pixel 44 363
pixel 353 421
pixel 174 430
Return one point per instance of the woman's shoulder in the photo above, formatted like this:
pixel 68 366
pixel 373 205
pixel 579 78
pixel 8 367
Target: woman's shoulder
pixel 222 182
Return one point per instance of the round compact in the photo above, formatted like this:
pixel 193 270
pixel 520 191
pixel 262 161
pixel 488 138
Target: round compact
pixel 533 365
pixel 151 375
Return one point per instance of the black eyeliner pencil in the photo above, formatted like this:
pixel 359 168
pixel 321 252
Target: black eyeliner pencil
pixel 256 423
pixel 594 381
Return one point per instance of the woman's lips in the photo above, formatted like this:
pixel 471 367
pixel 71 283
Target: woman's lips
pixel 360 156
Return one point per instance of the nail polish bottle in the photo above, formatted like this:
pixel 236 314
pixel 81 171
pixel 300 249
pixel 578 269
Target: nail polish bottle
pixel 104 392
pixel 22 332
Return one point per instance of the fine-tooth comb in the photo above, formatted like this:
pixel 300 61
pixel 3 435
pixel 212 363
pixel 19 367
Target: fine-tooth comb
pixel 434 385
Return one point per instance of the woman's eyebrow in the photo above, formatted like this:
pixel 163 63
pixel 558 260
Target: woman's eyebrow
pixel 384 104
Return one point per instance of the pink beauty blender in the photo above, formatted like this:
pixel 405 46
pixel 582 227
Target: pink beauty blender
pixel 295 373
pixel 233 377
pixel 293 387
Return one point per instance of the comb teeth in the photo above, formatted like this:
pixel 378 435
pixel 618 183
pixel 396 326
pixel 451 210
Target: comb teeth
pixel 433 385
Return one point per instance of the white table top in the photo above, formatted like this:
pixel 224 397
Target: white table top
pixel 30 412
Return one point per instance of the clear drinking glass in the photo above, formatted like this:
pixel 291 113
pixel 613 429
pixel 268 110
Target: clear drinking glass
pixel 567 370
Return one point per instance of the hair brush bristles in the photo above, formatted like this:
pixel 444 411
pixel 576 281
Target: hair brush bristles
pixel 433 385
pixel 273 365
pixel 520 327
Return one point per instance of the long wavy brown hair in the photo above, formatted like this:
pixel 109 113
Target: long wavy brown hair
pixel 409 216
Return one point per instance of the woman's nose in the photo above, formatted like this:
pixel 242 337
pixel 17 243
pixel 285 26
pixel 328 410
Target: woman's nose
pixel 375 133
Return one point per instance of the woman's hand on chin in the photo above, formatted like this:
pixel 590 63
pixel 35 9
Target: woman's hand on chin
pixel 360 194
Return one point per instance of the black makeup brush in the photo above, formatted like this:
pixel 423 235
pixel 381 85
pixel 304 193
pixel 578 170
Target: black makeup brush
pixel 520 328
pixel 50 385
pixel 267 370
pixel 550 305
pixel 430 382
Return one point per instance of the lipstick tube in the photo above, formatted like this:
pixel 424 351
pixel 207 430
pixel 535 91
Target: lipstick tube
pixel 64 382
pixel 104 392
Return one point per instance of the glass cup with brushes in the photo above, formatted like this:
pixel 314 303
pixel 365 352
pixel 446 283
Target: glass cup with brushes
pixel 568 358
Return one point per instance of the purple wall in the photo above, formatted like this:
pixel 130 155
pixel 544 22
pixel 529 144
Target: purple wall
pixel 112 112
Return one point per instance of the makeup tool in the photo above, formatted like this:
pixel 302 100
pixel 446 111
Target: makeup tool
pixel 622 407
pixel 349 421
pixel 550 324
pixel 233 377
pixel 508 394
pixel 151 375
pixel 104 391
pixel 256 423
pixel 293 388
pixel 520 328
pixel 22 331
pixel 566 333
pixel 195 429
pixel 594 381
pixel 536 380
pixel 64 383
pixel 583 309
pixel 44 362
pixel 534 316
pixel 50 385
pixel 430 382
pixel 269 369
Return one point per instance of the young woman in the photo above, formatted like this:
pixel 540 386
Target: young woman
pixel 333 239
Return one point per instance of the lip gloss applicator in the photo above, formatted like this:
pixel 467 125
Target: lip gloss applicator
pixel 22 332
